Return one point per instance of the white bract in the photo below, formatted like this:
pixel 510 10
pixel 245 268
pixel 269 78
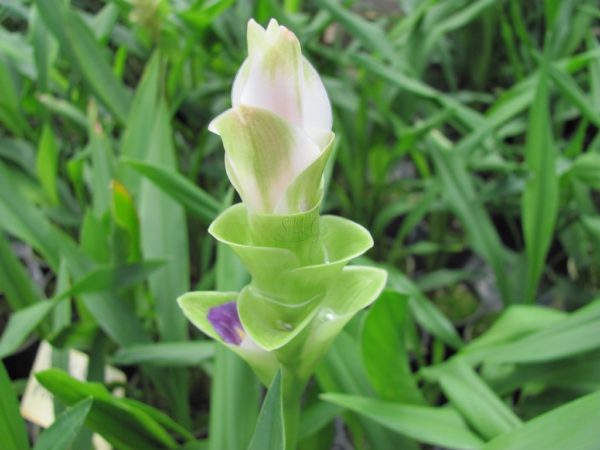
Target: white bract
pixel 278 132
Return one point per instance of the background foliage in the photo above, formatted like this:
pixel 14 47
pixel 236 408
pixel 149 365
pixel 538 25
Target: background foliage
pixel 467 143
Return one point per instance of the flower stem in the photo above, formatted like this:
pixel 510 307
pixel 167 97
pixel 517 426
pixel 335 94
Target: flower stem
pixel 292 387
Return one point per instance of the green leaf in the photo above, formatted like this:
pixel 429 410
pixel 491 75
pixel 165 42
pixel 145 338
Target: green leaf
pixel 315 417
pixel 539 205
pixel 569 88
pixel 164 233
pixel 573 426
pixel 102 162
pixel 21 324
pixel 586 168
pixel 425 312
pixel 136 138
pixel 430 425
pixel 47 163
pixel 459 192
pixel 15 283
pixel 168 354
pixel 64 430
pixel 180 189
pixel 342 371
pixel 477 403
pixel 125 216
pixel 22 219
pixel 384 349
pixel 270 430
pixel 119 421
pixel 111 278
pixel 80 46
pixel 12 426
pixel 517 322
pixel 24 321
pixel 10 112
pixel 372 36
pixel 575 334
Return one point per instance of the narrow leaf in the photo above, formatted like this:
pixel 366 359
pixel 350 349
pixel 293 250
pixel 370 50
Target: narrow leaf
pixel 435 426
pixel 12 426
pixel 64 430
pixel 270 431
pixel 539 204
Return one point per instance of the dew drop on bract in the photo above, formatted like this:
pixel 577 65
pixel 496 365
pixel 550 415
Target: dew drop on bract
pixel 327 314
pixel 285 326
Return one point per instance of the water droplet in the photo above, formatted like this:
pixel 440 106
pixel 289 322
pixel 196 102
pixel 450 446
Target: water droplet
pixel 327 314
pixel 285 326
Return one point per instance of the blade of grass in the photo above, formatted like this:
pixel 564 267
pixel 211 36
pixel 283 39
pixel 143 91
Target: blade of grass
pixel 460 195
pixel 12 426
pixel 15 283
pixel 478 404
pixel 430 425
pixel 80 46
pixel 64 430
pixel 574 425
pixel 186 193
pixel 539 205
pixel 170 354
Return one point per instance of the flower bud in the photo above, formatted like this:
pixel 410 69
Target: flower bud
pixel 278 135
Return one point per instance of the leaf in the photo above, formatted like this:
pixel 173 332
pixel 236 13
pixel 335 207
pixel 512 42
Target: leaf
pixel 12 426
pixel 21 324
pixel 539 205
pixel 125 216
pixel 430 425
pixel 136 138
pixel 119 421
pixel 570 336
pixel 315 417
pixel 102 162
pixel 47 163
pixel 342 371
pixel 22 219
pixel 373 36
pixel 477 403
pixel 24 321
pixel 425 312
pixel 164 233
pixel 516 322
pixel 384 349
pixel 586 168
pixel 468 116
pixel 80 46
pixel 573 426
pixel 269 433
pixel 64 430
pixel 569 89
pixel 112 278
pixel 169 354
pixel 180 189
pixel 461 196
pixel 15 283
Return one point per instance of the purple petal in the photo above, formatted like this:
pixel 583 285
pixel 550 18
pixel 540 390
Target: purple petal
pixel 226 321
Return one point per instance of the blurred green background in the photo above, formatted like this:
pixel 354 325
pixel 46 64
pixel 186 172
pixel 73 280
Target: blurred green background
pixel 467 143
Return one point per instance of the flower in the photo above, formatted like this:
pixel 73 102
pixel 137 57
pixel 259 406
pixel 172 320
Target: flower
pixel 226 321
pixel 277 135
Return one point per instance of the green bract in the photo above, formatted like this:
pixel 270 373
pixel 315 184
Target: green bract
pixel 277 139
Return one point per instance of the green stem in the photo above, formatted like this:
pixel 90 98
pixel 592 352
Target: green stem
pixel 292 387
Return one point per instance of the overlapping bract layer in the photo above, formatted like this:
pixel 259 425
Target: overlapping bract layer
pixel 277 139
pixel 291 310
